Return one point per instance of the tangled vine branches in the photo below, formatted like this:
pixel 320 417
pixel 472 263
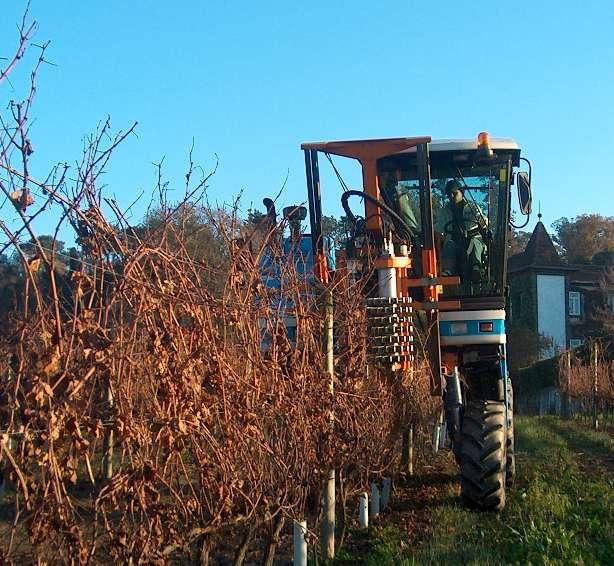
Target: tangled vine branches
pixel 589 380
pixel 153 406
pixel 200 412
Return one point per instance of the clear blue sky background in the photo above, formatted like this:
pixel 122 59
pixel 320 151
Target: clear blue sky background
pixel 249 81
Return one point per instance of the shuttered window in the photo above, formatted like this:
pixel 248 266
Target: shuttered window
pixel 575 305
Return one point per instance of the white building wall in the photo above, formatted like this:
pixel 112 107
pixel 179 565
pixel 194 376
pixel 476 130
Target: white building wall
pixel 551 312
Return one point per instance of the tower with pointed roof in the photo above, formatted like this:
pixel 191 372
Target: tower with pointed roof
pixel 561 302
pixel 538 283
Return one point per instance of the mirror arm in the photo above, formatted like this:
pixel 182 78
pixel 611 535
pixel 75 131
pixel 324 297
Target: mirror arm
pixel 522 225
pixel 529 164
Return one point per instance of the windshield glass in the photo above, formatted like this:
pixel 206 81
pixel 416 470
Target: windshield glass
pixel 469 217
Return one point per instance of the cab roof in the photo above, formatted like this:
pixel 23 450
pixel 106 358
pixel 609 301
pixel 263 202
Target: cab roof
pixel 467 144
pixel 375 149
pixel 434 145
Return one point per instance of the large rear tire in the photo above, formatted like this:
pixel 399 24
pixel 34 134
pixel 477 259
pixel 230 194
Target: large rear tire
pixel 483 455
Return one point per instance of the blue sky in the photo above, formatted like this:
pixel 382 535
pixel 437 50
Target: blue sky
pixel 250 81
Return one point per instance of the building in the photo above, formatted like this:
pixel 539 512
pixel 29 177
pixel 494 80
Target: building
pixel 563 303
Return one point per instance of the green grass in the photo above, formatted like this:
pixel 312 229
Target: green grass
pixel 560 510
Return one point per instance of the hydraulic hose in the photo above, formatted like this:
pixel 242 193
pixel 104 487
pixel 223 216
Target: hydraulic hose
pixel 398 222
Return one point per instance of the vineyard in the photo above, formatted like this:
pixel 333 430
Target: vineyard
pixel 152 406
pixel 577 383
pixel 157 407
pixel 142 417
pixel 587 381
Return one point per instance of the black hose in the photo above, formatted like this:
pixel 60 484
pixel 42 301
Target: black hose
pixel 398 222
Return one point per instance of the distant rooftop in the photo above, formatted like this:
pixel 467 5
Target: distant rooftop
pixel 539 253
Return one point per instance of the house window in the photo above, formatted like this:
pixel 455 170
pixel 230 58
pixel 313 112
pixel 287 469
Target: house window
pixel 575 342
pixel 574 304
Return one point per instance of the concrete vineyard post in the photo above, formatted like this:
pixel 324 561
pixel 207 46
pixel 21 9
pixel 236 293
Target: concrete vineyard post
pixel 386 489
pixel 407 457
pixel 107 446
pixel 328 499
pixel 363 510
pixel 374 504
pixel 300 543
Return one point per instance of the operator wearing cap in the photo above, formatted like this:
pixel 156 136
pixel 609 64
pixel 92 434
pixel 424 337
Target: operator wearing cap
pixel 465 226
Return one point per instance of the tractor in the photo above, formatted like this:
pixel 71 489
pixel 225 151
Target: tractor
pixel 434 228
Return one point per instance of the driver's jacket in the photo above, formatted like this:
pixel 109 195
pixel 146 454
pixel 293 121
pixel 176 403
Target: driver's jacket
pixel 464 220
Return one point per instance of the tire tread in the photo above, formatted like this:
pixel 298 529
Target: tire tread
pixel 484 442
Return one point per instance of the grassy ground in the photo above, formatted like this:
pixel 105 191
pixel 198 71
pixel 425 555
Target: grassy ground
pixel 560 510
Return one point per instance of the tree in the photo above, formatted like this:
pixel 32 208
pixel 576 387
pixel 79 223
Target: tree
pixel 337 229
pixel 10 288
pixel 13 273
pixel 599 317
pixel 518 241
pixel 605 258
pixel 584 236
pixel 54 249
pixel 255 216
pixel 524 347
pixel 201 232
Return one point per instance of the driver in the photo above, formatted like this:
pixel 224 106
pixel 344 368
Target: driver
pixel 464 248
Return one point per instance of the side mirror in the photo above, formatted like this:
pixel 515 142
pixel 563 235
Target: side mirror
pixel 295 213
pixel 524 192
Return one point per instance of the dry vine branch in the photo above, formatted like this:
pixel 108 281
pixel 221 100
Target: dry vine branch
pixel 175 368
